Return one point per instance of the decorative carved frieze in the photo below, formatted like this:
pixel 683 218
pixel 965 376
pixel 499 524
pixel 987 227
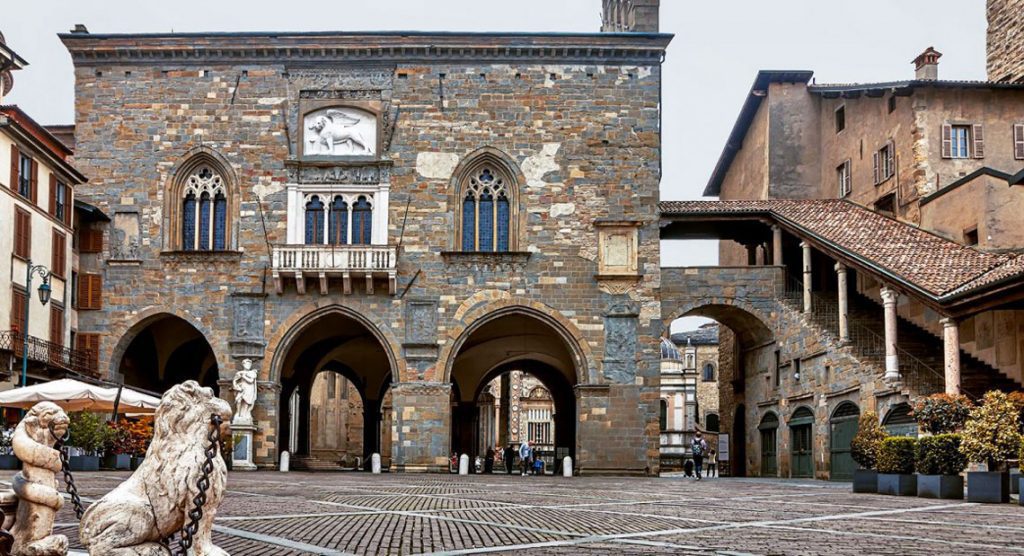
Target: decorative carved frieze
pixel 340 94
pixel 359 174
pixel 342 83
pixel 478 261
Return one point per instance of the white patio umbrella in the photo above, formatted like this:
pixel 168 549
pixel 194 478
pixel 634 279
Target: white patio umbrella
pixel 73 395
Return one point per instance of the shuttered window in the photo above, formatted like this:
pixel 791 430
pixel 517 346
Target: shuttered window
pixel 1018 141
pixel 58 263
pixel 90 240
pixel 59 200
pixel 90 292
pixel 884 162
pixel 963 141
pixel 57 324
pixel 15 157
pixel 89 343
pixel 844 179
pixel 17 309
pixel 22 233
pixel 978 137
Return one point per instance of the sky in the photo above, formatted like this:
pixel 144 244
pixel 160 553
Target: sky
pixel 717 51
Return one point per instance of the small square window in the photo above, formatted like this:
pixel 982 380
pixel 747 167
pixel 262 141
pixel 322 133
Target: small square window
pixel 840 118
pixel 886 204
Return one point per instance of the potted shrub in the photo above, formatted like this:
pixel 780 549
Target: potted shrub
pixel 88 433
pixel 896 466
pixel 864 450
pixel 118 446
pixel 1017 398
pixel 939 463
pixel 7 458
pixel 141 434
pixel 991 436
pixel 942 413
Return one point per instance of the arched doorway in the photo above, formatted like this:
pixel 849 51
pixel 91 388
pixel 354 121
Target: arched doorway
pixel 525 363
pixel 711 422
pixel 842 428
pixel 899 421
pixel 166 350
pixel 769 429
pixel 340 347
pixel 738 444
pixel 801 434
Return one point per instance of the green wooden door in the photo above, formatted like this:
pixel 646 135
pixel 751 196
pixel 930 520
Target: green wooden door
pixel 842 428
pixel 803 463
pixel 769 428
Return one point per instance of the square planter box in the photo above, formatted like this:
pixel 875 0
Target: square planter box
pixel 949 487
pixel 136 462
pixel 9 462
pixel 865 481
pixel 84 463
pixel 1015 482
pixel 1020 484
pixel 897 484
pixel 988 487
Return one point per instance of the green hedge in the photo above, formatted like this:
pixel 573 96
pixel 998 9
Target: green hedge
pixel 896 455
pixel 940 455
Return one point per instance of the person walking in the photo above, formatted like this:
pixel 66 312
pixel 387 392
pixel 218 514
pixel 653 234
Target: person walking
pixel 510 456
pixel 698 447
pixel 524 457
pixel 712 463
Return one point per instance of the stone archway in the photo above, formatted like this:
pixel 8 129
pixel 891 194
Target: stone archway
pixel 161 350
pixel 339 341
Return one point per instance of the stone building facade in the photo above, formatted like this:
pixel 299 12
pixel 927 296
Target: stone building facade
pixel 882 221
pixel 689 392
pixel 1005 35
pixel 417 212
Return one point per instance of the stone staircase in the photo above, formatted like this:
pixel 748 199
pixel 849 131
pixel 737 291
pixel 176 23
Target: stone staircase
pixel 313 463
pixel 920 352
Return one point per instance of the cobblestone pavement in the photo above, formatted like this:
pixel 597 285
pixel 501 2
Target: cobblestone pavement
pixel 354 513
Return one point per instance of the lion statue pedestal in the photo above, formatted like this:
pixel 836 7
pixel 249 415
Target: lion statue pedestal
pixel 153 504
pixel 36 484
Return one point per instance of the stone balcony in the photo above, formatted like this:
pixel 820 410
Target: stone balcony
pixel 344 262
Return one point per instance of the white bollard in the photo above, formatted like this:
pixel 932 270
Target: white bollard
pixel 285 457
pixel 464 464
pixel 375 464
pixel 567 466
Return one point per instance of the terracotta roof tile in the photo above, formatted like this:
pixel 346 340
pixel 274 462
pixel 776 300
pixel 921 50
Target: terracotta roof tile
pixel 924 260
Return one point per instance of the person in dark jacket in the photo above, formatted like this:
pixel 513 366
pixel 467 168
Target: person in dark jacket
pixel 510 457
pixel 489 461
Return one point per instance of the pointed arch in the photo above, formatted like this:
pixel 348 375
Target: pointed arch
pixel 200 203
pixel 487 201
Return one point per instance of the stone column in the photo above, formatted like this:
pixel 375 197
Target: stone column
pixel 807 276
pixel 844 324
pixel 951 345
pixel 892 363
pixel 422 426
pixel 776 246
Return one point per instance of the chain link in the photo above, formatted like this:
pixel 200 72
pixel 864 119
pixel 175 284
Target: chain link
pixel 65 467
pixel 189 531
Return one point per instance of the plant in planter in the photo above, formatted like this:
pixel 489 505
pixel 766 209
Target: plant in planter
pixel 89 433
pixel 942 413
pixel 7 458
pixel 1017 398
pixel 939 464
pixel 140 434
pixel 864 450
pixel 118 446
pixel 896 466
pixel 991 436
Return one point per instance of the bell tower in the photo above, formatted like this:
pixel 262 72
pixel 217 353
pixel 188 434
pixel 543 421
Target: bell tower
pixel 629 16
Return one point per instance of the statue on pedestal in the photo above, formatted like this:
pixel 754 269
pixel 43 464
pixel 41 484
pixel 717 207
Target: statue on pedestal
pixel 36 484
pixel 155 502
pixel 244 386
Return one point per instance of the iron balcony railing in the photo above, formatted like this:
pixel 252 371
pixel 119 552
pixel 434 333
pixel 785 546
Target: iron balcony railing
pixel 48 353
pixel 335 258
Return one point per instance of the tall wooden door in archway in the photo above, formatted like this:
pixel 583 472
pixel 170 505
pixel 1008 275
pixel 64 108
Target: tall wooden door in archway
pixel 769 429
pixel 842 428
pixel 801 428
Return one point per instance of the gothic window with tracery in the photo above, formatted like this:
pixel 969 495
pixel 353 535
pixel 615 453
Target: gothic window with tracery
pixel 338 226
pixel 338 219
pixel 486 215
pixel 314 221
pixel 204 211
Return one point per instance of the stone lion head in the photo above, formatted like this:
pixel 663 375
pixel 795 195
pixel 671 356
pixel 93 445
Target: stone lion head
pixel 319 123
pixel 186 409
pixel 41 419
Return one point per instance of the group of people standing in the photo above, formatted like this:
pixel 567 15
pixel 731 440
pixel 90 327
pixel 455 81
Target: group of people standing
pixel 529 461
pixel 699 450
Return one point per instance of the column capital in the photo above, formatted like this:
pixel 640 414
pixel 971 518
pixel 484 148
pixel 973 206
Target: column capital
pixel 805 245
pixel 840 267
pixel 889 295
pixel 776 228
pixel 949 322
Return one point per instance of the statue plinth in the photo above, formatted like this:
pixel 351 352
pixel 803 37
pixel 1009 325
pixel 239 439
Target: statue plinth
pixel 241 454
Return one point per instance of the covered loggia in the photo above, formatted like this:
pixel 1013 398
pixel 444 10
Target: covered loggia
pixel 507 342
pixel 164 350
pixel 333 347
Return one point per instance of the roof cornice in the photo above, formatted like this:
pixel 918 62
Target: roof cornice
pixel 89 49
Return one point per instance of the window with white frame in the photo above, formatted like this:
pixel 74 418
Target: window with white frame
pixel 338 219
pixel 843 176
pixel 960 140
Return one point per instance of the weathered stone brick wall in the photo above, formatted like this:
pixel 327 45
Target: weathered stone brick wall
pixel 1005 40
pixel 586 138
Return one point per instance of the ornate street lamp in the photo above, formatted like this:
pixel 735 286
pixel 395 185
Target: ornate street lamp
pixel 44 298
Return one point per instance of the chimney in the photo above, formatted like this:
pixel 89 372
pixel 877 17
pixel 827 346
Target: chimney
pixel 629 16
pixel 80 29
pixel 926 65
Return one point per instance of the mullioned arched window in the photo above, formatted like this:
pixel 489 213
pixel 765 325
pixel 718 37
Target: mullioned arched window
pixel 486 195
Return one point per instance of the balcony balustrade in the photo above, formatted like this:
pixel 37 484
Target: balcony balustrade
pixel 48 354
pixel 334 261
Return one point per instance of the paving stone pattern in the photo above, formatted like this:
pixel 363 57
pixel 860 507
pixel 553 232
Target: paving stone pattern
pixel 354 513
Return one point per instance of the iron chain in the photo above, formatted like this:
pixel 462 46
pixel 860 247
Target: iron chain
pixel 69 480
pixel 196 514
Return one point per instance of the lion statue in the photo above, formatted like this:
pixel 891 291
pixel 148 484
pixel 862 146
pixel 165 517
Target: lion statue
pixel 36 483
pixel 153 504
